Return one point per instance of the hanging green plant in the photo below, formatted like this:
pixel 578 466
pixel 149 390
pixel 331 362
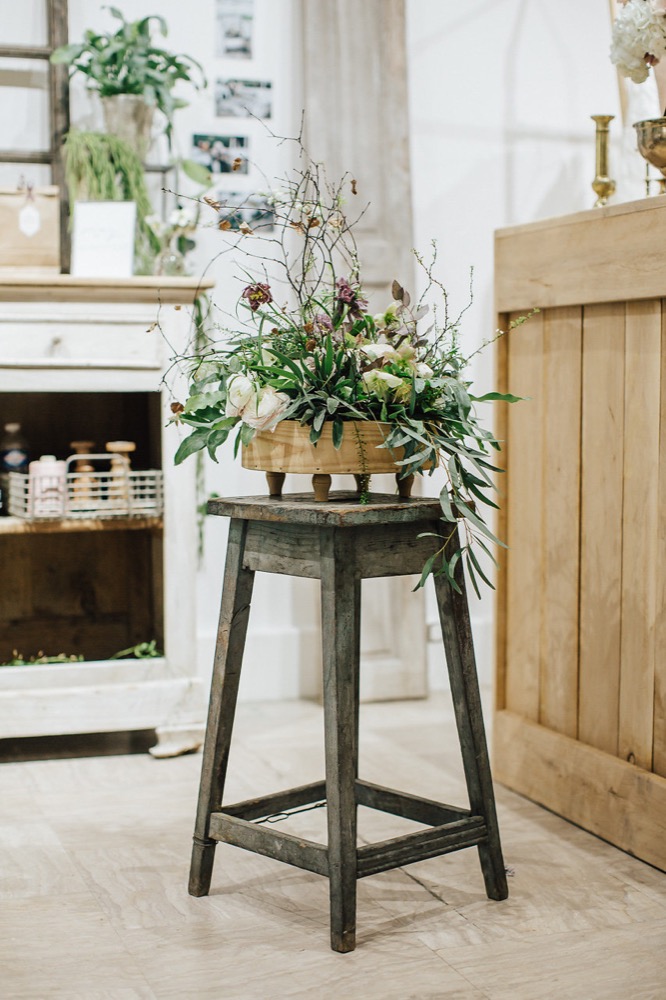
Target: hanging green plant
pixel 100 167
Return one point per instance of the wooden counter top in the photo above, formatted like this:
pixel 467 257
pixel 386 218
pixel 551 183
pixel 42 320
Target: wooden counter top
pixel 610 254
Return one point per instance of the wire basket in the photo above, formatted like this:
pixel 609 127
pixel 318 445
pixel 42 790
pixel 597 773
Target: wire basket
pixel 106 488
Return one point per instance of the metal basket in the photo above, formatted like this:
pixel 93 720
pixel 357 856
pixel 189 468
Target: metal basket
pixel 111 491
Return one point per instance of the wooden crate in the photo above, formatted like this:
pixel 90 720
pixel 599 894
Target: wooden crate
pixel 39 252
pixel 581 667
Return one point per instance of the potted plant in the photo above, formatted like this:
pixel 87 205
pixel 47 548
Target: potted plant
pixel 101 167
pixel 132 76
pixel 312 381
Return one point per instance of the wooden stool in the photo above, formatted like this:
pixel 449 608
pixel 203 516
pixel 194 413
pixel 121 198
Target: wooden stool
pixel 341 543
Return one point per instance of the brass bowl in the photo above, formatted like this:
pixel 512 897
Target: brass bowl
pixel 651 139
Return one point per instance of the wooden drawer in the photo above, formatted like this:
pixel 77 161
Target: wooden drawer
pixel 79 344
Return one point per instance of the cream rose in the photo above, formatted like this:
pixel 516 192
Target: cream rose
pixel 265 409
pixel 240 390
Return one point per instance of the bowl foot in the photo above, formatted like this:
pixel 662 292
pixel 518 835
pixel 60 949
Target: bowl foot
pixel 321 484
pixel 275 482
pixel 404 486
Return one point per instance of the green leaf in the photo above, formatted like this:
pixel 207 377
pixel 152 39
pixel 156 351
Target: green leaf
pixel 338 431
pixel 427 570
pixel 246 433
pixel 502 397
pixel 477 567
pixel 195 442
pixel 197 173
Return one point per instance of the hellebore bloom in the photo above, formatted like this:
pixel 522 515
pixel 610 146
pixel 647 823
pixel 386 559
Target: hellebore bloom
pixel 257 295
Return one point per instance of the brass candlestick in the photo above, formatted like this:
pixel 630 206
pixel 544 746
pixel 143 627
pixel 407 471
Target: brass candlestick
pixel 602 185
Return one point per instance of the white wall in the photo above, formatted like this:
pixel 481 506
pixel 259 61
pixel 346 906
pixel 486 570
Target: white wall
pixel 501 97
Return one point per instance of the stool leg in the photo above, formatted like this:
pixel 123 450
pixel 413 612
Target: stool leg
pixel 340 601
pixel 234 614
pixel 458 645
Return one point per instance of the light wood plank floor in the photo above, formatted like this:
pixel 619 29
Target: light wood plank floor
pixel 94 854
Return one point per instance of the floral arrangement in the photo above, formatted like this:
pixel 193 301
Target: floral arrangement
pixel 639 37
pixel 304 346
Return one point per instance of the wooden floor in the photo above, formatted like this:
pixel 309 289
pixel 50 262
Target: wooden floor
pixel 94 854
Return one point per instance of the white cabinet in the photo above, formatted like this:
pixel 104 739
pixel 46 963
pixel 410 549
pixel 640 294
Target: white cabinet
pixel 91 359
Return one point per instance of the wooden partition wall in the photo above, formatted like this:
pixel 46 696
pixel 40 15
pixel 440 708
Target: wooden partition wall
pixel 581 684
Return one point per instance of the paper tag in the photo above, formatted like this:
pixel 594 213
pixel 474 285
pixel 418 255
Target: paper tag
pixel 29 220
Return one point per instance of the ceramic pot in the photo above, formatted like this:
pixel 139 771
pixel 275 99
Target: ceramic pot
pixel 131 119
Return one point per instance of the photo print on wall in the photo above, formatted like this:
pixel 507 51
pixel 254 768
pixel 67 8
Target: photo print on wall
pixel 243 98
pixel 221 154
pixel 240 209
pixel 234 28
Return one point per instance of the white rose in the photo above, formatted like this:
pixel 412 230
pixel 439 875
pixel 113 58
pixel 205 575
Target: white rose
pixel 266 409
pixel 240 390
pixel 385 351
pixel 380 382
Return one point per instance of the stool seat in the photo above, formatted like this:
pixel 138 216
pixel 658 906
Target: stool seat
pixel 341 542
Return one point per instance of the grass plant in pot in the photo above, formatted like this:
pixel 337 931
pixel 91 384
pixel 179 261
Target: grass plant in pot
pixel 132 75
pixel 313 382
pixel 100 167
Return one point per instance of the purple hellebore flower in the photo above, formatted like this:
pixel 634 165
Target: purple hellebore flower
pixel 257 295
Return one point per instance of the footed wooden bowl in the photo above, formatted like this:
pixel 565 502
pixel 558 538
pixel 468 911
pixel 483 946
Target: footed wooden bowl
pixel 288 448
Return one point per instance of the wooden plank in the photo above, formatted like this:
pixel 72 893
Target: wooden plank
pixel 19 287
pixel 340 629
pixel 271 843
pixel 291 549
pixel 277 802
pixel 459 649
pixel 610 254
pixel 232 630
pixel 659 744
pixel 342 510
pixel 558 676
pixel 501 422
pixel 58 22
pixel 396 549
pixel 409 806
pixel 25 51
pixel 418 846
pixel 624 804
pixel 639 531
pixel 524 457
pixel 22 526
pixel 25 156
pixel 601 525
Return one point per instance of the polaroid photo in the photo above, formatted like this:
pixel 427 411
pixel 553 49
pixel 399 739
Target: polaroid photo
pixel 234 29
pixel 243 98
pixel 221 154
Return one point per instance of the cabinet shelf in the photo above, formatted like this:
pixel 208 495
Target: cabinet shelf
pixel 22 526
pixel 97 584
